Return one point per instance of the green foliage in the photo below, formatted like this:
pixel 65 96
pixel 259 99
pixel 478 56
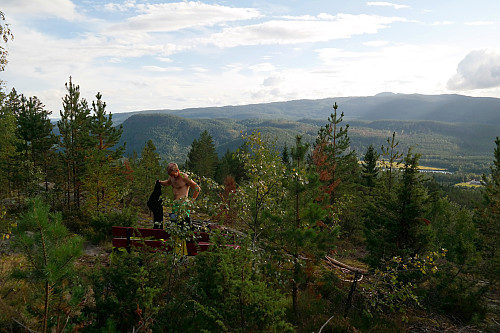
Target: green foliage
pixel 453 228
pixel 489 217
pixel 396 223
pixel 74 128
pixel 370 169
pixel 335 163
pixel 457 147
pixel 50 251
pixel 458 296
pixel 99 229
pixel 202 159
pixel 146 171
pixel 103 176
pixel 129 293
pixel 230 295
pixel 5 35
pixel 393 286
pixel 261 195
pixel 230 165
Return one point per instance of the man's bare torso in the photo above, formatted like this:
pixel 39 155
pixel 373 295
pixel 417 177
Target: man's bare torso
pixel 180 186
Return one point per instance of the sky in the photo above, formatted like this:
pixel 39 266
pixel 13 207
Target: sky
pixel 157 54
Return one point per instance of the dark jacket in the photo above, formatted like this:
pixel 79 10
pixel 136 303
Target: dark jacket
pixel 154 203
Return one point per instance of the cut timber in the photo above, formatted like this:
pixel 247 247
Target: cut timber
pixel 345 266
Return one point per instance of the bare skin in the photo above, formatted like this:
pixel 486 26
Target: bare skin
pixel 181 184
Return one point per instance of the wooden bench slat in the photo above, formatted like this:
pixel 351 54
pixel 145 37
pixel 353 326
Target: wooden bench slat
pixel 141 232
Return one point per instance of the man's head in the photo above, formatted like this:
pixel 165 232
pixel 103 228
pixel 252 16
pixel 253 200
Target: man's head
pixel 172 170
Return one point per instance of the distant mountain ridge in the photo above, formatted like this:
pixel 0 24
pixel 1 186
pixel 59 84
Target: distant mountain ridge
pixel 390 106
pixel 450 131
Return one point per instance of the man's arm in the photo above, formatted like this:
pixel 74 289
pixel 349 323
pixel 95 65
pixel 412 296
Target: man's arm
pixel 167 182
pixel 194 186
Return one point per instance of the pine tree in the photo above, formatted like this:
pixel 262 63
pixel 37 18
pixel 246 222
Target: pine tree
pixel 334 161
pixel 50 251
pixel 393 156
pixel 103 171
pixel 297 234
pixel 35 130
pixel 9 159
pixel 74 142
pixel 202 158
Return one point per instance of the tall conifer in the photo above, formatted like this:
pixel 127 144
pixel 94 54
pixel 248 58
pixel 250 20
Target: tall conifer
pixel 74 142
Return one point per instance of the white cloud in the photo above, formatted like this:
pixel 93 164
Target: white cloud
pixel 478 70
pixel 386 4
pixel 263 67
pixel 377 43
pixel 169 17
pixel 300 31
pixel 119 7
pixel 442 23
pixel 63 9
pixel 162 69
pixel 479 23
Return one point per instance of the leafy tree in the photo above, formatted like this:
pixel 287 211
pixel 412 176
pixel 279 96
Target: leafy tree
pixel 202 158
pixel 103 172
pixel 75 141
pixel 50 252
pixel 264 190
pixel 5 34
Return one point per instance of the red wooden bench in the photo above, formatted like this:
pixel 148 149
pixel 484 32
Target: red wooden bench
pixel 155 240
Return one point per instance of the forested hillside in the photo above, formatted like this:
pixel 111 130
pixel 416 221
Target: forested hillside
pixel 461 147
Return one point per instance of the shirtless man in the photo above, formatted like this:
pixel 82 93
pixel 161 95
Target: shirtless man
pixel 180 183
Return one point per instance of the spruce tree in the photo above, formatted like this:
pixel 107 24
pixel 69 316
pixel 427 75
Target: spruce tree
pixel 202 158
pixel 370 170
